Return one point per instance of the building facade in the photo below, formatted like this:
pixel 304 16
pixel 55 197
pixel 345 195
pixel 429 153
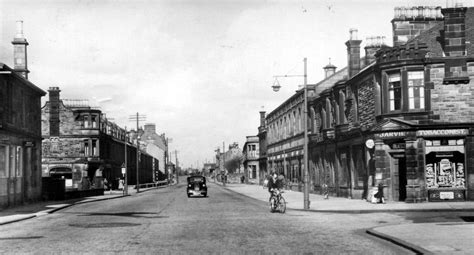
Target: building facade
pixel 20 130
pixel 251 154
pixel 84 148
pixel 402 116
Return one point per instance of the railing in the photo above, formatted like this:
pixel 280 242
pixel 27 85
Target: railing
pixel 153 184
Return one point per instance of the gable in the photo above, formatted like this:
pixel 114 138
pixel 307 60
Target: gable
pixel 391 125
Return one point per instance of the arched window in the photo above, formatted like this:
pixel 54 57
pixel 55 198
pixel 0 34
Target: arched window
pixel 328 122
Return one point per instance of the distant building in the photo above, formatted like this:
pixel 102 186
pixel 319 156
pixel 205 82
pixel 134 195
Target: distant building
pixel 251 156
pixel 20 130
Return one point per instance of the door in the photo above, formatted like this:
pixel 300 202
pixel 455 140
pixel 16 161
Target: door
pixel 399 178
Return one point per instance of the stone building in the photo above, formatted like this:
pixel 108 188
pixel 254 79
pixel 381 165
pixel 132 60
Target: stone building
pixel 20 130
pixel 285 138
pixel 82 147
pixel 403 115
pixel 251 155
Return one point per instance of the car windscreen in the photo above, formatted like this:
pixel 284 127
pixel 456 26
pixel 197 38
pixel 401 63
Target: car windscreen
pixel 196 179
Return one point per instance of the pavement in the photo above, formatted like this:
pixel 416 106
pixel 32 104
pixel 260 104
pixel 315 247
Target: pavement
pixel 421 238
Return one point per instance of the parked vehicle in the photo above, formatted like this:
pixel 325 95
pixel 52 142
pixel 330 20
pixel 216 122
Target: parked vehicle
pixel 197 186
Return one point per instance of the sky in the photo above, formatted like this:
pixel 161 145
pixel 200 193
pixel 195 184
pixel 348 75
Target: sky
pixel 201 70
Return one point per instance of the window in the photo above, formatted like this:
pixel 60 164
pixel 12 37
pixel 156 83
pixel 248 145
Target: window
pixel 416 90
pixel 3 160
pixel 86 121
pixel 94 121
pixel 94 148
pixel 86 148
pixel 395 92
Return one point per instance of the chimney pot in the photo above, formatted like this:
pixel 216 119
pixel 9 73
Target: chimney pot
pixel 19 29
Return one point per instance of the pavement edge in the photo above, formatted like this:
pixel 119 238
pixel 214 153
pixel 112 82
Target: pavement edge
pixel 415 248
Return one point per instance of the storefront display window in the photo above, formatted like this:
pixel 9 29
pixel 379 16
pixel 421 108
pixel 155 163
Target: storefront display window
pixel 445 160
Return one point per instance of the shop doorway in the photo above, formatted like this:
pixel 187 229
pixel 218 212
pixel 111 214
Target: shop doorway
pixel 399 177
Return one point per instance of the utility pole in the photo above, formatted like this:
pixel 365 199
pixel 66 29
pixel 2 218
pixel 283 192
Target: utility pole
pixel 137 118
pixel 125 164
pixel 177 169
pixel 224 177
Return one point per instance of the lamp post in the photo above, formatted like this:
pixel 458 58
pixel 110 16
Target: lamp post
pixel 276 87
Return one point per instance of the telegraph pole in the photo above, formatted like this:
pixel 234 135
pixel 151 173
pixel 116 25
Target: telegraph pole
pixel 137 118
pixel 125 164
pixel 177 170
pixel 223 164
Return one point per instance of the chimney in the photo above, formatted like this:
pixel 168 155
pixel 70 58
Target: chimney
pixel 409 22
pixel 54 102
pixel 329 70
pixel 373 44
pixel 150 128
pixel 262 119
pixel 353 53
pixel 20 60
pixel 454 31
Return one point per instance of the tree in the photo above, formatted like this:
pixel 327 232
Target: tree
pixel 233 163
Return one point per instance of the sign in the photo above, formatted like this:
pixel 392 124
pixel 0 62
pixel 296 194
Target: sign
pixel 29 144
pixel 446 195
pixel 370 143
pixel 124 170
pixel 443 132
pixel 394 134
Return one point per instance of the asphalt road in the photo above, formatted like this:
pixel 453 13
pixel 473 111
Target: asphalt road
pixel 167 221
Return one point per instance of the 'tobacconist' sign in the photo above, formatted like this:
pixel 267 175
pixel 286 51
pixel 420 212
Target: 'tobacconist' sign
pixel 442 132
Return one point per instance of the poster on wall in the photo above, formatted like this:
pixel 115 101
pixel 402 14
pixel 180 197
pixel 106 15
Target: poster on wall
pixel 445 169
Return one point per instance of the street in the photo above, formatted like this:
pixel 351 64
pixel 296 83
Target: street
pixel 166 221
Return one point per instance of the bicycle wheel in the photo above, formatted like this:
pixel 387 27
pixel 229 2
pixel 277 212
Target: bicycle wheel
pixel 272 204
pixel 282 205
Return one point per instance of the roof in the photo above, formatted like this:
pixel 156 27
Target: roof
pixel 5 68
pixel 431 36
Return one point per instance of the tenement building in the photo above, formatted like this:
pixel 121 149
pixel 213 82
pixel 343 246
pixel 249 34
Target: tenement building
pixel 250 159
pixel 20 130
pixel 86 150
pixel 401 116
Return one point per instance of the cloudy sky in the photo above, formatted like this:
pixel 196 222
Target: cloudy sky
pixel 201 70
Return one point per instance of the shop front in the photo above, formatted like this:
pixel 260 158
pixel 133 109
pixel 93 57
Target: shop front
pixel 445 163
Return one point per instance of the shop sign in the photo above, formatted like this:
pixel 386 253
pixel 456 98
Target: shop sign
pixel 446 195
pixel 29 144
pixel 442 132
pixel 395 134
pixel 370 143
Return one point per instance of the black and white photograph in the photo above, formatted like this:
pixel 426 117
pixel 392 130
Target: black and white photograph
pixel 236 126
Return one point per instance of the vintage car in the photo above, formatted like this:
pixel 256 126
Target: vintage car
pixel 197 186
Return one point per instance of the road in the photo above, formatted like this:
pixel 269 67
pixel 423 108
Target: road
pixel 167 221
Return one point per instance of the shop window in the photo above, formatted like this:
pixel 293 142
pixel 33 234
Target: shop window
pixel 3 160
pixel 19 161
pixel 445 164
pixel 395 92
pixel 416 90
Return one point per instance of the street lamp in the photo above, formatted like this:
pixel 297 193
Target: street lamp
pixel 276 87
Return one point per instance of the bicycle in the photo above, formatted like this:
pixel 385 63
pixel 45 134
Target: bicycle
pixel 277 202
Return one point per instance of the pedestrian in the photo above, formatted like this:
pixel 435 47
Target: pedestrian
pixel 379 195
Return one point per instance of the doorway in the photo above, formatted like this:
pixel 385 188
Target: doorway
pixel 399 177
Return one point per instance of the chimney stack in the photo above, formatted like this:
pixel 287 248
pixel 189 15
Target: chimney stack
pixel 329 70
pixel 150 128
pixel 20 60
pixel 353 53
pixel 262 119
pixel 374 44
pixel 54 103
